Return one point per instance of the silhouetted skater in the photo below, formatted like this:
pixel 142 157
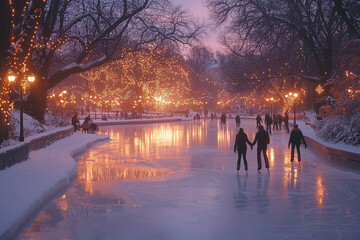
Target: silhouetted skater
pixel 223 118
pixel 268 122
pixel 286 122
pixel 280 120
pixel 240 146
pixel 258 120
pixel 237 120
pixel 263 139
pixel 296 136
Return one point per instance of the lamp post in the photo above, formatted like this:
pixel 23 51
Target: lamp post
pixel 271 100
pixel 31 79
pixel 293 96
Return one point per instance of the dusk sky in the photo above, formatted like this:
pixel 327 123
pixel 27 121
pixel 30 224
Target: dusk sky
pixel 199 10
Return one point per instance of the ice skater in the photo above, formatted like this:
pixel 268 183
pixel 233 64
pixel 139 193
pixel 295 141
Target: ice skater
pixel 286 122
pixel 237 120
pixel 240 146
pixel 262 138
pixel 296 136
pixel 258 120
pixel 268 122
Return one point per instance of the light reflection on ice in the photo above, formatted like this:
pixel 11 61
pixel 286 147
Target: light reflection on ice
pixel 320 190
pixel 178 181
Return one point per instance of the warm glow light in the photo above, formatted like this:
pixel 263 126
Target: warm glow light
pixel 295 95
pixel 31 79
pixel 11 78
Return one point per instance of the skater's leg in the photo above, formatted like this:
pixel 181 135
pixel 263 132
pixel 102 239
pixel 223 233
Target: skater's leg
pixel 238 161
pixel 245 161
pixel 259 158
pixel 292 152
pixel 266 158
pixel 298 152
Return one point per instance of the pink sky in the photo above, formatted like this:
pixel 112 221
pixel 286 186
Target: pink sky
pixel 200 11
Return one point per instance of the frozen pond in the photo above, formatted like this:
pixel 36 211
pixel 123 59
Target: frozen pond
pixel 178 181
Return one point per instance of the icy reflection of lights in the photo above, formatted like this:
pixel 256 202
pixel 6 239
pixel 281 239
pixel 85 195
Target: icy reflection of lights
pixel 272 157
pixel 320 191
pixel 124 161
pixel 223 136
pixel 197 133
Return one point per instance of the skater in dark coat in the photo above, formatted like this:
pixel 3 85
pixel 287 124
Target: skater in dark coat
pixel 268 122
pixel 280 118
pixel 258 120
pixel 286 122
pixel 296 136
pixel 263 139
pixel 237 120
pixel 240 146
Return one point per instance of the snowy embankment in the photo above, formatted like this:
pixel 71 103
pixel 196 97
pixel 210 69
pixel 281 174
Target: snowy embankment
pixel 26 186
pixel 308 131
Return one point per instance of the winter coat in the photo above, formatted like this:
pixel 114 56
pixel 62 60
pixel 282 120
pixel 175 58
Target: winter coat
pixel 263 139
pixel 240 141
pixel 258 119
pixel 296 136
pixel 268 120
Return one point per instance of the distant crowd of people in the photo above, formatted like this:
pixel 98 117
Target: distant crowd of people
pixel 275 122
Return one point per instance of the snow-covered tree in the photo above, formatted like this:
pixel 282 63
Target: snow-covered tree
pixel 54 39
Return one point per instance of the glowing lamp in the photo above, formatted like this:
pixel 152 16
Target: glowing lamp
pixel 31 79
pixel 11 78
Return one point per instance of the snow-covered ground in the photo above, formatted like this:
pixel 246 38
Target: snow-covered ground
pixel 26 186
pixel 178 181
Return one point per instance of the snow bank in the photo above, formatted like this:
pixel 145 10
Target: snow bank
pixel 309 132
pixel 26 186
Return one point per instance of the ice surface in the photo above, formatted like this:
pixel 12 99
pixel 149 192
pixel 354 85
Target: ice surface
pixel 24 187
pixel 178 181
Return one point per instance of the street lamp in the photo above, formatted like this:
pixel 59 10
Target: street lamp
pixel 271 100
pixel 294 96
pixel 30 79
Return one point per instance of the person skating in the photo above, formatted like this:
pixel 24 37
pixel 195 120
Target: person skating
pixel 258 120
pixel 262 139
pixel 296 136
pixel 237 120
pixel 275 119
pixel 268 122
pixel 223 118
pixel 280 118
pixel 240 146
pixel 286 122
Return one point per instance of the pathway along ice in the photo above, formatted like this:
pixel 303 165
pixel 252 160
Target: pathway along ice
pixel 178 181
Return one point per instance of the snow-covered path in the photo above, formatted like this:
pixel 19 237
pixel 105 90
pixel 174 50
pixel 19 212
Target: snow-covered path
pixel 178 181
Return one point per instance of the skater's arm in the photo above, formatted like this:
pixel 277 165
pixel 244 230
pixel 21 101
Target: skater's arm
pixel 255 140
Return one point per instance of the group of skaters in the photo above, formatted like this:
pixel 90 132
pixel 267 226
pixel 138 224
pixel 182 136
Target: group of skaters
pixel 275 121
pixel 262 139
